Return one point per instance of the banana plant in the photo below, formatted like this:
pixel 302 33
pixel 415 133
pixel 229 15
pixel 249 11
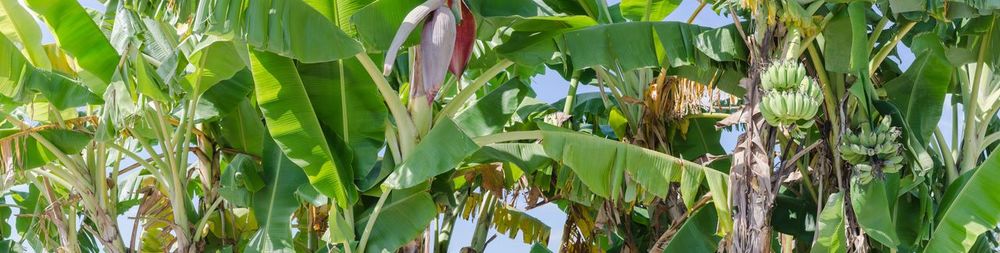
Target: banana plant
pixel 334 126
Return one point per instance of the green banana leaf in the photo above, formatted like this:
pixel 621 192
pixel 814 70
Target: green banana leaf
pixel 405 214
pixel 33 154
pixel 293 123
pixel 601 165
pixel 924 83
pixel 443 149
pixel 874 214
pixel 972 213
pixel 77 34
pixel 274 205
pixel 242 129
pixel 832 236
pixel 277 26
pixel 648 10
pixel 339 12
pixel 636 45
pixel 20 27
pixel 696 234
pixel 215 61
pixel 490 114
pixel 376 24
pixel 349 105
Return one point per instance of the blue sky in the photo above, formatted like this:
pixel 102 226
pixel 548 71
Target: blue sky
pixel 551 87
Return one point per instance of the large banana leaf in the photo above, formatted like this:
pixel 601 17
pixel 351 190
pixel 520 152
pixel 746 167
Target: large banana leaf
pixel 290 28
pixel 601 164
pixel 377 23
pixel 20 27
pixel 529 157
pixel 292 122
pixel 696 234
pixel 491 113
pixel 872 203
pixel 832 237
pixel 636 45
pixel 972 213
pixel 339 12
pixel 215 61
pixel 31 153
pixel 349 105
pixel 243 130
pixel 924 83
pixel 444 148
pixel 274 205
pixel 17 76
pixel 404 215
pixel 77 34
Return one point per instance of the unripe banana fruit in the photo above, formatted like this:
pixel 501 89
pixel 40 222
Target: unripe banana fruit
pixel 873 153
pixel 782 76
pixel 791 97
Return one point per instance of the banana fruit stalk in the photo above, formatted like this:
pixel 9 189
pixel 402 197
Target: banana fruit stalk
pixel 873 153
pixel 791 98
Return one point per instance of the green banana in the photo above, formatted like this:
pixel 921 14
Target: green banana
pixel 873 152
pixel 791 97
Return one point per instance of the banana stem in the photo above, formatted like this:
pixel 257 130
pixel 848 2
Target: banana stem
pixel 371 220
pixel 456 103
pixel 949 161
pixel 405 126
pixel 970 147
pixel 571 94
pixel 884 52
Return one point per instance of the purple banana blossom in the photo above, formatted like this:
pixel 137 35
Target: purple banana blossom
pixel 437 43
pixel 409 23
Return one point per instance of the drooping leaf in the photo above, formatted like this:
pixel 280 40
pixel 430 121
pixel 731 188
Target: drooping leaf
pixel 722 44
pixel 601 165
pixel 348 104
pixel 32 153
pixel 696 234
pixel 291 120
pixel 274 205
pixel 404 216
pixel 490 114
pixel 922 88
pixel 876 220
pixel 242 129
pixel 20 27
pixel 527 156
pixel 635 45
pixel 277 26
pixel 227 95
pixel 444 148
pixel 63 92
pixel 77 34
pixel 972 212
pixel 215 61
pixel 832 237
pixel 700 138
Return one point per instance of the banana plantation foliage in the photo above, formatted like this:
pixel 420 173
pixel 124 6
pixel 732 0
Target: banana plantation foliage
pixel 369 126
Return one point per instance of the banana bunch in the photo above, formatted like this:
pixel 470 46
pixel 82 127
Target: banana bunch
pixel 790 97
pixel 873 153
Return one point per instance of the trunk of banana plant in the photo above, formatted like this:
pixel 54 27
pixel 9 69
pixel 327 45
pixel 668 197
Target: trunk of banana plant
pixel 752 196
pixel 479 237
pixel 106 226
